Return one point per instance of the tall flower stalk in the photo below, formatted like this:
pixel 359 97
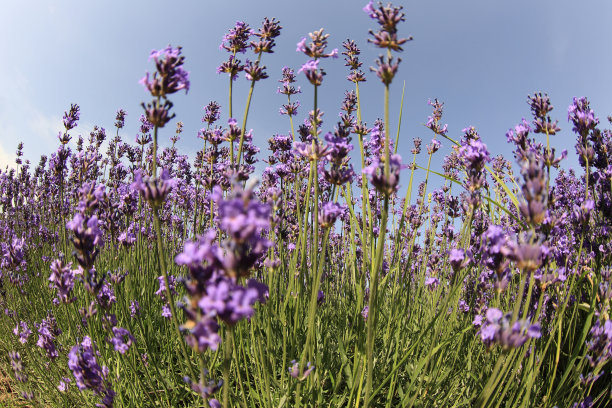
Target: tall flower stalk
pixel 386 183
pixel 170 77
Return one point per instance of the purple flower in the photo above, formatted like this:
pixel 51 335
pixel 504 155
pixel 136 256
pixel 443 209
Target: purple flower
pixel 196 253
pixel 204 334
pixel 308 151
pixel 519 135
pixel 237 39
pixel 294 370
pixel 122 339
pixel 106 296
pixel 316 48
pixel 229 301
pixel 329 212
pixel 339 175
pixel 432 282
pixel 312 72
pixel 387 17
pixel 62 279
pixel 582 213
pixel 499 330
pixel 433 121
pixel 474 155
pixel 540 106
pixel 338 148
pixel 212 113
pixel 127 238
pixel 365 312
pixel 290 109
pixel 376 174
pixel 134 309
pixel 120 118
pixel 301 46
pixel 23 333
pixel 587 403
pixel 206 389
pixel 63 384
pixel 463 306
pixel 18 366
pixel 161 292
pixel 153 189
pixel 270 29
pixel 434 146
pixel 582 116
pixel 13 254
pixel 87 372
pixel 528 257
pixel 254 72
pixel 70 122
pixel 47 332
pixel 600 343
pixel 232 67
pixel 71 117
pixel 386 69
pixel 456 258
pixel 170 76
pixel 243 219
pixel 320 297
pixel 288 77
pixel 86 227
pixel 369 10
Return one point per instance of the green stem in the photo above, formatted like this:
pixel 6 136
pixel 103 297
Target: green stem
pixel 162 264
pixel 227 365
pixel 372 304
pixel 246 113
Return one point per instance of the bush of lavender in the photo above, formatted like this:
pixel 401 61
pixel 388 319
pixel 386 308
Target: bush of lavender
pixel 133 276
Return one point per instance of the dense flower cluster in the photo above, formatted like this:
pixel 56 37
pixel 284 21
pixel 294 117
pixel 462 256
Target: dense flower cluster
pixel 499 329
pixel 88 374
pixel 214 270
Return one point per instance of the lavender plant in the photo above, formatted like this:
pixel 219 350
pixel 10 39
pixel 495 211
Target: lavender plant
pixel 132 275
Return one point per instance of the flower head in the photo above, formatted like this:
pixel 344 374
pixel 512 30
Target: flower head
pixel 498 329
pixel 376 174
pixel 237 39
pixel 388 18
pixel 329 213
pixel 170 76
pixel 62 279
pixel 154 189
pixel 87 372
pixel 122 339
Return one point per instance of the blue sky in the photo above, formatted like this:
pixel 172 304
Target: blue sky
pixel 481 57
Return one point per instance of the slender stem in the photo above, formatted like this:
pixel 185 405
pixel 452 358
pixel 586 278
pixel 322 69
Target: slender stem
pixel 231 85
pixel 162 264
pixel 246 112
pixel 227 365
pixel 291 120
pixel 154 171
pixel 372 312
pixel 366 208
pixel 244 121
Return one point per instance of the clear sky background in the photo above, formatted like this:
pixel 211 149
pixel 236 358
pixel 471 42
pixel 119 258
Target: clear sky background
pixel 481 57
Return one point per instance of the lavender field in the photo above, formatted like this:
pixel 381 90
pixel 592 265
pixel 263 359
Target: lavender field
pixel 340 275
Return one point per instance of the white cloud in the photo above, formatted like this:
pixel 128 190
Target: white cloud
pixel 24 120
pixel 5 159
